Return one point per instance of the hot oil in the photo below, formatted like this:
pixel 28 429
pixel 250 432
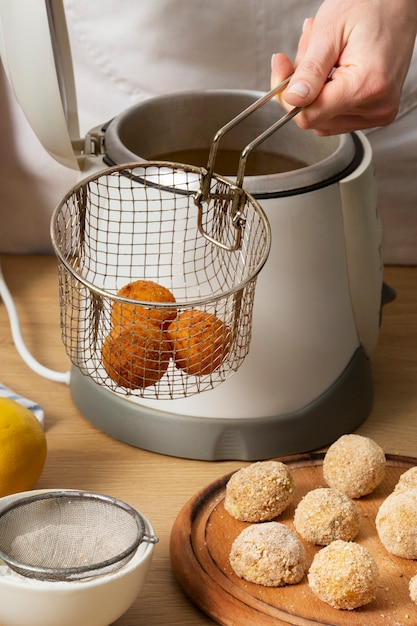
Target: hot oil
pixel 259 163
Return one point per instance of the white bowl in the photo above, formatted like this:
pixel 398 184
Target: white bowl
pixel 95 601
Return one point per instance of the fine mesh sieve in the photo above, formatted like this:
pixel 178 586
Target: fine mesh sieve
pixel 64 536
pixel 192 232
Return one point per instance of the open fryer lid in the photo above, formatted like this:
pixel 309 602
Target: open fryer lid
pixel 35 51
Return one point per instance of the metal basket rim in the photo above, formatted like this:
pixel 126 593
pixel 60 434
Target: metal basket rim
pixel 169 165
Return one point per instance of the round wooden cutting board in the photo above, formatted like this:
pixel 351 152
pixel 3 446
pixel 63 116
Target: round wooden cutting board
pixel 203 533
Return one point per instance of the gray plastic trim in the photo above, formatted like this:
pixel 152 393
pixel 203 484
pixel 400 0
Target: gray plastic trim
pixel 339 410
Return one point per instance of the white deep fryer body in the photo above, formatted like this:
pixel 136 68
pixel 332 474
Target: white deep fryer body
pixel 317 303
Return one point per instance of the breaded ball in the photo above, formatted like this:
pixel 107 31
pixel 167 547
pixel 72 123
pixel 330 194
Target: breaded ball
pixel 259 492
pixel 344 574
pixel 124 314
pixel 269 554
pixel 324 515
pixel 408 480
pixel 412 586
pixel 396 523
pixel 200 341
pixel 354 465
pixel 136 357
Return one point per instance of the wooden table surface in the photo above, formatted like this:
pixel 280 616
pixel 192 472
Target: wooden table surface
pixel 80 456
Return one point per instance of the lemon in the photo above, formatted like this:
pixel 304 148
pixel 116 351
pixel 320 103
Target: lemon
pixel 22 448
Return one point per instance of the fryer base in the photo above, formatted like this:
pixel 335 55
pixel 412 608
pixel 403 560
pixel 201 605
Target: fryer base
pixel 338 410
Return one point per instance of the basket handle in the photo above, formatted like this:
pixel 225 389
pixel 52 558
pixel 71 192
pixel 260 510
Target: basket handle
pixel 202 196
pixel 208 172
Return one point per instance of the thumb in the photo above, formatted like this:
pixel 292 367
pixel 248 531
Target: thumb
pixel 281 68
pixel 315 60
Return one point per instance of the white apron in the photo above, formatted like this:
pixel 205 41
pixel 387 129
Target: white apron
pixel 127 50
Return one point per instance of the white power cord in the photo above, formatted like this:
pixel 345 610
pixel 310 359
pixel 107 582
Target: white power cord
pixel 60 377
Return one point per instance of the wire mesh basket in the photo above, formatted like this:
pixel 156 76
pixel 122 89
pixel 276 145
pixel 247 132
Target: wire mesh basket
pixel 157 282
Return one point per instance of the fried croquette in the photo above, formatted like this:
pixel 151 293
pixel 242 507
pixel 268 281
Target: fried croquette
pixel 269 554
pixel 324 515
pixel 344 574
pixel 354 465
pixel 124 314
pixel 259 492
pixel 200 341
pixel 136 357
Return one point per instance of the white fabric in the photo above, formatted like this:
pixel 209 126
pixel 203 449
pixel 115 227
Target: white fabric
pixel 36 409
pixel 127 50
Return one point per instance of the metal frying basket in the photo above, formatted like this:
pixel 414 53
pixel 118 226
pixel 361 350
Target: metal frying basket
pixel 190 231
pixel 149 221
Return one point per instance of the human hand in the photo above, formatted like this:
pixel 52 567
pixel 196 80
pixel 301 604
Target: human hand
pixel 368 45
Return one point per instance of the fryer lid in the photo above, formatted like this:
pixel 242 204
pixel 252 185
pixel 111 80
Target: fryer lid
pixel 45 89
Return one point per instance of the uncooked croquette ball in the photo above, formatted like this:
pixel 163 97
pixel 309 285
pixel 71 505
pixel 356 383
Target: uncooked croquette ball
pixel 344 574
pixel 269 554
pixel 396 523
pixel 412 586
pixel 354 465
pixel 324 515
pixel 408 480
pixel 259 492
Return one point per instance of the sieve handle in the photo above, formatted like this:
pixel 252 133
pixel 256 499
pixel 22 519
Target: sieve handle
pixel 208 172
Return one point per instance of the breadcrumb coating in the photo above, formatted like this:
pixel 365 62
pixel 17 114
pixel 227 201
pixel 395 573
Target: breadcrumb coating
pixel 396 523
pixel 200 341
pixel 269 554
pixel 412 587
pixel 354 465
pixel 344 575
pixel 136 357
pixel 259 492
pixel 408 480
pixel 124 314
pixel 324 515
